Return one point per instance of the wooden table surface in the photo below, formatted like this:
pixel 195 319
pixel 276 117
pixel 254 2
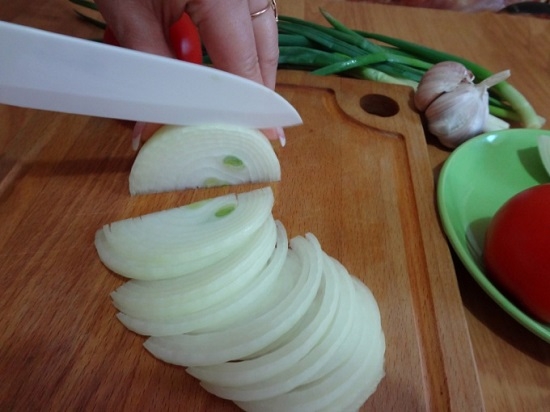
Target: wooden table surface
pixel 513 366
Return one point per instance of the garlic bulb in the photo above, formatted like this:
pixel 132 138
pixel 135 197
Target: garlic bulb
pixel 440 78
pixel 456 109
pixel 458 115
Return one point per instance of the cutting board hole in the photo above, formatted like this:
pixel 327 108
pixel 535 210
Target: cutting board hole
pixel 379 105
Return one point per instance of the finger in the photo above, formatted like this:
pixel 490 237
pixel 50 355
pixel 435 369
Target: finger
pixel 227 33
pixel 265 30
pixel 142 132
pixel 266 36
pixel 276 133
pixel 137 26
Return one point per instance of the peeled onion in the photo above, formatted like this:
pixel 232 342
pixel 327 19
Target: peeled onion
pixel 179 157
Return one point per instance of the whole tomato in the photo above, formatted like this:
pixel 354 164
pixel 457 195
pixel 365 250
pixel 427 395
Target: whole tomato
pixel 517 250
pixel 184 39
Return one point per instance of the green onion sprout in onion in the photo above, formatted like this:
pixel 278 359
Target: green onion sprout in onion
pixel 269 323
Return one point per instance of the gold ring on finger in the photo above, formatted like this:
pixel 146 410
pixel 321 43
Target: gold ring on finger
pixel 272 4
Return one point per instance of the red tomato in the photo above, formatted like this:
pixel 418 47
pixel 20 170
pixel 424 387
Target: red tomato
pixel 517 250
pixel 184 38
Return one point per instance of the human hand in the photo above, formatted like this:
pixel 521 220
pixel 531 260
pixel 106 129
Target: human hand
pixel 236 41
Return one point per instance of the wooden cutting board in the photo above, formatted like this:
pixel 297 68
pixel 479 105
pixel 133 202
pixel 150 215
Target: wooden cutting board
pixel 361 182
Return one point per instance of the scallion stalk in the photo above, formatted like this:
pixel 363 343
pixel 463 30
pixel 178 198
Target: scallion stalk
pixel 367 60
pixel 339 42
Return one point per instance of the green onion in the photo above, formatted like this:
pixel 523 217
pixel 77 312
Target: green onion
pixel 368 59
pixel 308 57
pixel 342 43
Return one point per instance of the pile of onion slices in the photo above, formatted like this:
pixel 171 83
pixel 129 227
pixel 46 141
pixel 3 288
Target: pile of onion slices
pixel 269 323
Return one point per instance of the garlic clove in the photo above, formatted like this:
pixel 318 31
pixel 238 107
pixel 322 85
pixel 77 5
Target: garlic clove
pixel 458 115
pixel 440 78
pixel 495 123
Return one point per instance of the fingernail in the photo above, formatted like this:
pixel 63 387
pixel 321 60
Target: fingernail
pixel 136 135
pixel 281 136
pixel 136 140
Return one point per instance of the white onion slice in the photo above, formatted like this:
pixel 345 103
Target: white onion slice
pixel 226 312
pixel 292 347
pixel 178 241
pixel 176 297
pixel 244 339
pixel 178 157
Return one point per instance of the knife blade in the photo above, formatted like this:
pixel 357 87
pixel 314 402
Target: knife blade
pixel 50 71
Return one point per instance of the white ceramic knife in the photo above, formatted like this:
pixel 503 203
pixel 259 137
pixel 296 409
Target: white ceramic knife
pixel 49 71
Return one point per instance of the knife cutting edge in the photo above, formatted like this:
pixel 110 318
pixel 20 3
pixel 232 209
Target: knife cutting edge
pixel 49 71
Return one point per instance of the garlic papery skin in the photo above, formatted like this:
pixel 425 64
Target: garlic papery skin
pixel 440 78
pixel 457 115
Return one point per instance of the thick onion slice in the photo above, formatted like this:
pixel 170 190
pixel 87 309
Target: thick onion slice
pixel 299 285
pixel 225 279
pixel 233 309
pixel 178 241
pixel 178 157
pixel 292 347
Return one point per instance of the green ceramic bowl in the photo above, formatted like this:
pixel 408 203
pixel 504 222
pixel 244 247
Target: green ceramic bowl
pixel 476 180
